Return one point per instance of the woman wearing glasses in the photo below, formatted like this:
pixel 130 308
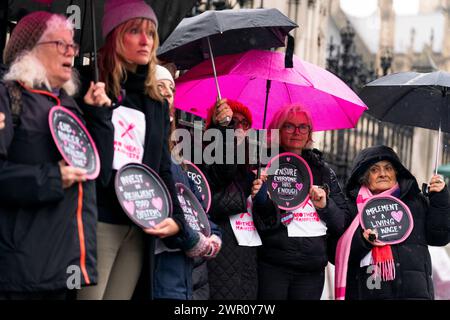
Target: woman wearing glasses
pixel 296 249
pixel 47 218
pixel 232 274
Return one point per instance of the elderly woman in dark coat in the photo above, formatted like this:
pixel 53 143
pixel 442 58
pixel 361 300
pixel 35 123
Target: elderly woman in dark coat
pixel 48 210
pixel 378 171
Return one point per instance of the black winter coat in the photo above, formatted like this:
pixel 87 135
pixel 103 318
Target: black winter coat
pixel 43 238
pixel 431 216
pixel 233 273
pixel 304 254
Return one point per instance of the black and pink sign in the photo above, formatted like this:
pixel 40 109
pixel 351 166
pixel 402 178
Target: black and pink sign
pixel 193 211
pixel 389 216
pixel 143 195
pixel 199 179
pixel 289 179
pixel 74 141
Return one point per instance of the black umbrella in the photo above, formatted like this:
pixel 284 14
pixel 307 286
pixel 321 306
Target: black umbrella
pixel 229 31
pixel 224 32
pixel 169 13
pixel 411 98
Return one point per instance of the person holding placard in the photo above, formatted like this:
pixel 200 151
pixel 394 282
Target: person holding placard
pixel 367 265
pixel 297 244
pixel 175 277
pixel 233 274
pixel 140 117
pixel 48 210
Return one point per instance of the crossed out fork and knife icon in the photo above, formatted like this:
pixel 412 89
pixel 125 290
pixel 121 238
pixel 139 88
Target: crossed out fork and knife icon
pixel 128 129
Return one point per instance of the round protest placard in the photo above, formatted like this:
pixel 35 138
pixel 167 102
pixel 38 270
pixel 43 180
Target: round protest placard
pixel 202 185
pixel 193 211
pixel 389 216
pixel 143 195
pixel 74 141
pixel 289 179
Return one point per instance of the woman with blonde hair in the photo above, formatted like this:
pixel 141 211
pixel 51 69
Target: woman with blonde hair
pixel 140 117
pixel 295 250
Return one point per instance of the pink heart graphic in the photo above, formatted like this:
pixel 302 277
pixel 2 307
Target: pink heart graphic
pixel 157 203
pixel 151 223
pixel 147 184
pixel 129 206
pixel 299 186
pixel 195 213
pixel 274 185
pixel 181 190
pixel 203 197
pixel 287 204
pixel 397 215
pixel 84 149
pixel 288 159
pixel 65 142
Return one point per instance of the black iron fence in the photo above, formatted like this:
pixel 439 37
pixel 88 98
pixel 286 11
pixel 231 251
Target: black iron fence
pixel 340 147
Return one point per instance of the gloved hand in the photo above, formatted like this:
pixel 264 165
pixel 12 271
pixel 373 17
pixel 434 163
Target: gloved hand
pixel 202 247
pixel 215 246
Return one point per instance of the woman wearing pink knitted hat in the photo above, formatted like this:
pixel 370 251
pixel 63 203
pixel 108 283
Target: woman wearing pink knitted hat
pixel 127 63
pixel 48 211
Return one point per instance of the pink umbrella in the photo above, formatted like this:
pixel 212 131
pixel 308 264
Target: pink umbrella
pixel 243 77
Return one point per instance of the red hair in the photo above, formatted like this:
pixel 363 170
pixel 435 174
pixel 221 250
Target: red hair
pixel 236 107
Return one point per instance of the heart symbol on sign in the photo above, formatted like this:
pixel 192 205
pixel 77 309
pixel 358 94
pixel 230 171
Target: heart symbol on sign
pixel 274 185
pixel 397 215
pixel 299 186
pixel 147 184
pixel 288 159
pixel 195 213
pixel 65 142
pixel 129 206
pixel 181 190
pixel 203 197
pixel 84 149
pixel 287 203
pixel 151 223
pixel 157 203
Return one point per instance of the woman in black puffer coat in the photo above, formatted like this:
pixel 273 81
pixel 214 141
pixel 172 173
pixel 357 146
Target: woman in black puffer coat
pixel 233 273
pixel 431 216
pixel 298 245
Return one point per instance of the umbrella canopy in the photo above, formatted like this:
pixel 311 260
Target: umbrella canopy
pixel 170 13
pixel 229 31
pixel 243 77
pixel 410 98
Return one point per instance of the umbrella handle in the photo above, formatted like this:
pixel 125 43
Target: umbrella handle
pixel 94 39
pixel 214 68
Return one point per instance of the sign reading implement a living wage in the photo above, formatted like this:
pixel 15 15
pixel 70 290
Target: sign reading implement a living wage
pixel 143 195
pixel 74 141
pixel 193 211
pixel 289 179
pixel 389 216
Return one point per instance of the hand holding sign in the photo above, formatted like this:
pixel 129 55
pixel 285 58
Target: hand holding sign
pixel 318 197
pixel 74 143
pixel 289 181
pixel 145 199
pixel 388 217
pixel 70 175
pixel 166 228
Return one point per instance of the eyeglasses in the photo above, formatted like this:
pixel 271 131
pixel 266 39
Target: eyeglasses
pixel 63 47
pixel 244 123
pixel 291 128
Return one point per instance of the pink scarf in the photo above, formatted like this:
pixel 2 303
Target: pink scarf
pixel 382 256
